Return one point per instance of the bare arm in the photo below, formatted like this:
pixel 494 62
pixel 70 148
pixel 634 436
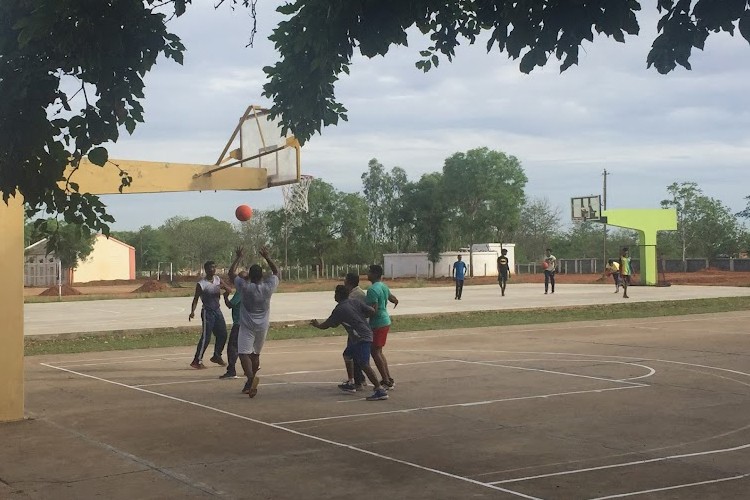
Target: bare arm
pixel 195 301
pixel 271 264
pixel 393 300
pixel 239 252
pixel 322 326
pixel 226 299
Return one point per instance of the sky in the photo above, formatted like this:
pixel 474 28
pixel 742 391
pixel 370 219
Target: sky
pixel 609 112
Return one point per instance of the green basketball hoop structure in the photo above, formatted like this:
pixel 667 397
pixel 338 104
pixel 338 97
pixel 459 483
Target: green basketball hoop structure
pixel 646 221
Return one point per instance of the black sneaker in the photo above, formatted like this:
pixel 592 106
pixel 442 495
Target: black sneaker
pixel 388 385
pixel 228 375
pixel 218 361
pixel 347 387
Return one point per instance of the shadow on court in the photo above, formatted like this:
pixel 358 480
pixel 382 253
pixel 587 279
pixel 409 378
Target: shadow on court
pixel 580 410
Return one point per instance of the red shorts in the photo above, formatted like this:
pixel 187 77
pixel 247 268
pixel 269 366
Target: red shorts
pixel 379 335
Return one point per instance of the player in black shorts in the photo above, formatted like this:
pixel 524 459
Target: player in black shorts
pixel 503 270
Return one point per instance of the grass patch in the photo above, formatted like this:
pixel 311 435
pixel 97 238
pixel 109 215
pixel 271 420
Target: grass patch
pixel 172 337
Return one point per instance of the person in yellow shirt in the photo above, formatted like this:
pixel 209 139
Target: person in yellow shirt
pixel 613 269
pixel 626 271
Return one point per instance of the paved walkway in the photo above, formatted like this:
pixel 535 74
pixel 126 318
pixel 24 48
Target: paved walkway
pixel 128 314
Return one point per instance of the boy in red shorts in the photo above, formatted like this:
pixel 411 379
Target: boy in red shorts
pixel 378 296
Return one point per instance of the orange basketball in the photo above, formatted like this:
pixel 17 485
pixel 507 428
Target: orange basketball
pixel 545 264
pixel 243 213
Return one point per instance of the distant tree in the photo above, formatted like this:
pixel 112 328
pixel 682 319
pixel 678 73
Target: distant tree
pixel 716 229
pixel 399 237
pixel 354 245
pixel 683 198
pixel 383 191
pixel 71 243
pixel 376 187
pixel 745 213
pixel 253 233
pixel 150 246
pixel 484 192
pixel 706 227
pixel 539 222
pixel 312 238
pixel 191 242
pixel 426 210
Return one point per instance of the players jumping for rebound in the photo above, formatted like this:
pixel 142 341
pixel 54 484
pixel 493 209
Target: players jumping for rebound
pixel 503 270
pixel 254 314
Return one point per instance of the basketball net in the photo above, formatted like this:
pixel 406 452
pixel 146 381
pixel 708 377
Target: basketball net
pixel 295 195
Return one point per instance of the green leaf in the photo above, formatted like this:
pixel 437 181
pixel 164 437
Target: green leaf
pixel 98 156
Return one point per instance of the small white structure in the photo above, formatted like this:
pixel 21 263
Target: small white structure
pixel 40 269
pixel 111 259
pixel 482 260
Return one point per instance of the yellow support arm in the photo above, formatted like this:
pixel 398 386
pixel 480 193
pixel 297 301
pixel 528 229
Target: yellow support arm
pixel 161 177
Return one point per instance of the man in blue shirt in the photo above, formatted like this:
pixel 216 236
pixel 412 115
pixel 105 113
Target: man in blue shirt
pixel 459 273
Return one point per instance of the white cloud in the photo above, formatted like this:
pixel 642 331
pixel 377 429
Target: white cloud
pixel 648 130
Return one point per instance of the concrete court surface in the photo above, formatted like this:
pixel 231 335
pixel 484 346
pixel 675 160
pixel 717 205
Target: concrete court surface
pixel 645 408
pixel 123 314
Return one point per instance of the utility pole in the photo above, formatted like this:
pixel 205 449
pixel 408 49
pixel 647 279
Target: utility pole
pixel 602 208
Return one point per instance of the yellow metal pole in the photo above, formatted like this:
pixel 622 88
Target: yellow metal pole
pixel 148 177
pixel 11 310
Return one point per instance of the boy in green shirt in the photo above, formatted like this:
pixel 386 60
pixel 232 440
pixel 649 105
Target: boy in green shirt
pixel 378 296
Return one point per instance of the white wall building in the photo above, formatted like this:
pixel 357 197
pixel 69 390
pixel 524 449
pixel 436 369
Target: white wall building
pixel 482 260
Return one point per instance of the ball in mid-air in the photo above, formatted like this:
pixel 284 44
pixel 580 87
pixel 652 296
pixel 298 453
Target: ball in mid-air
pixel 243 213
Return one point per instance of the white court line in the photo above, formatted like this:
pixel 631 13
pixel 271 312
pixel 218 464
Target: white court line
pixel 302 434
pixel 639 359
pixel 74 361
pixel 485 363
pixel 295 383
pixel 687 485
pixel 458 405
pixel 302 372
pixel 147 360
pixel 650 371
pixel 625 464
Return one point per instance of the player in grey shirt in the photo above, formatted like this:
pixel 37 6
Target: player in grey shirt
pixel 352 315
pixel 254 314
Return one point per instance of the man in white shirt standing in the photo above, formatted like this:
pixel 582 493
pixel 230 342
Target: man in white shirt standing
pixel 254 314
pixel 550 269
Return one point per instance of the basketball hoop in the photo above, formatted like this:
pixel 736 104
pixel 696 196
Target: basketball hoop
pixel 295 195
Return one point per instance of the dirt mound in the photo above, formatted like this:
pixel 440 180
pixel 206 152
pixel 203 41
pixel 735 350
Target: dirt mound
pixel 65 290
pixel 151 286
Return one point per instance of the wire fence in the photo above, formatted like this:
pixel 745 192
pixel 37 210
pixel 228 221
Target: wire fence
pixel 594 266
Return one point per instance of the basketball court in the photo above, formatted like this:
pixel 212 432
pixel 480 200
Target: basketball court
pixel 654 407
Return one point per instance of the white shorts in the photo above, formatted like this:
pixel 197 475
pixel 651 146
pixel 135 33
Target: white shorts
pixel 251 342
